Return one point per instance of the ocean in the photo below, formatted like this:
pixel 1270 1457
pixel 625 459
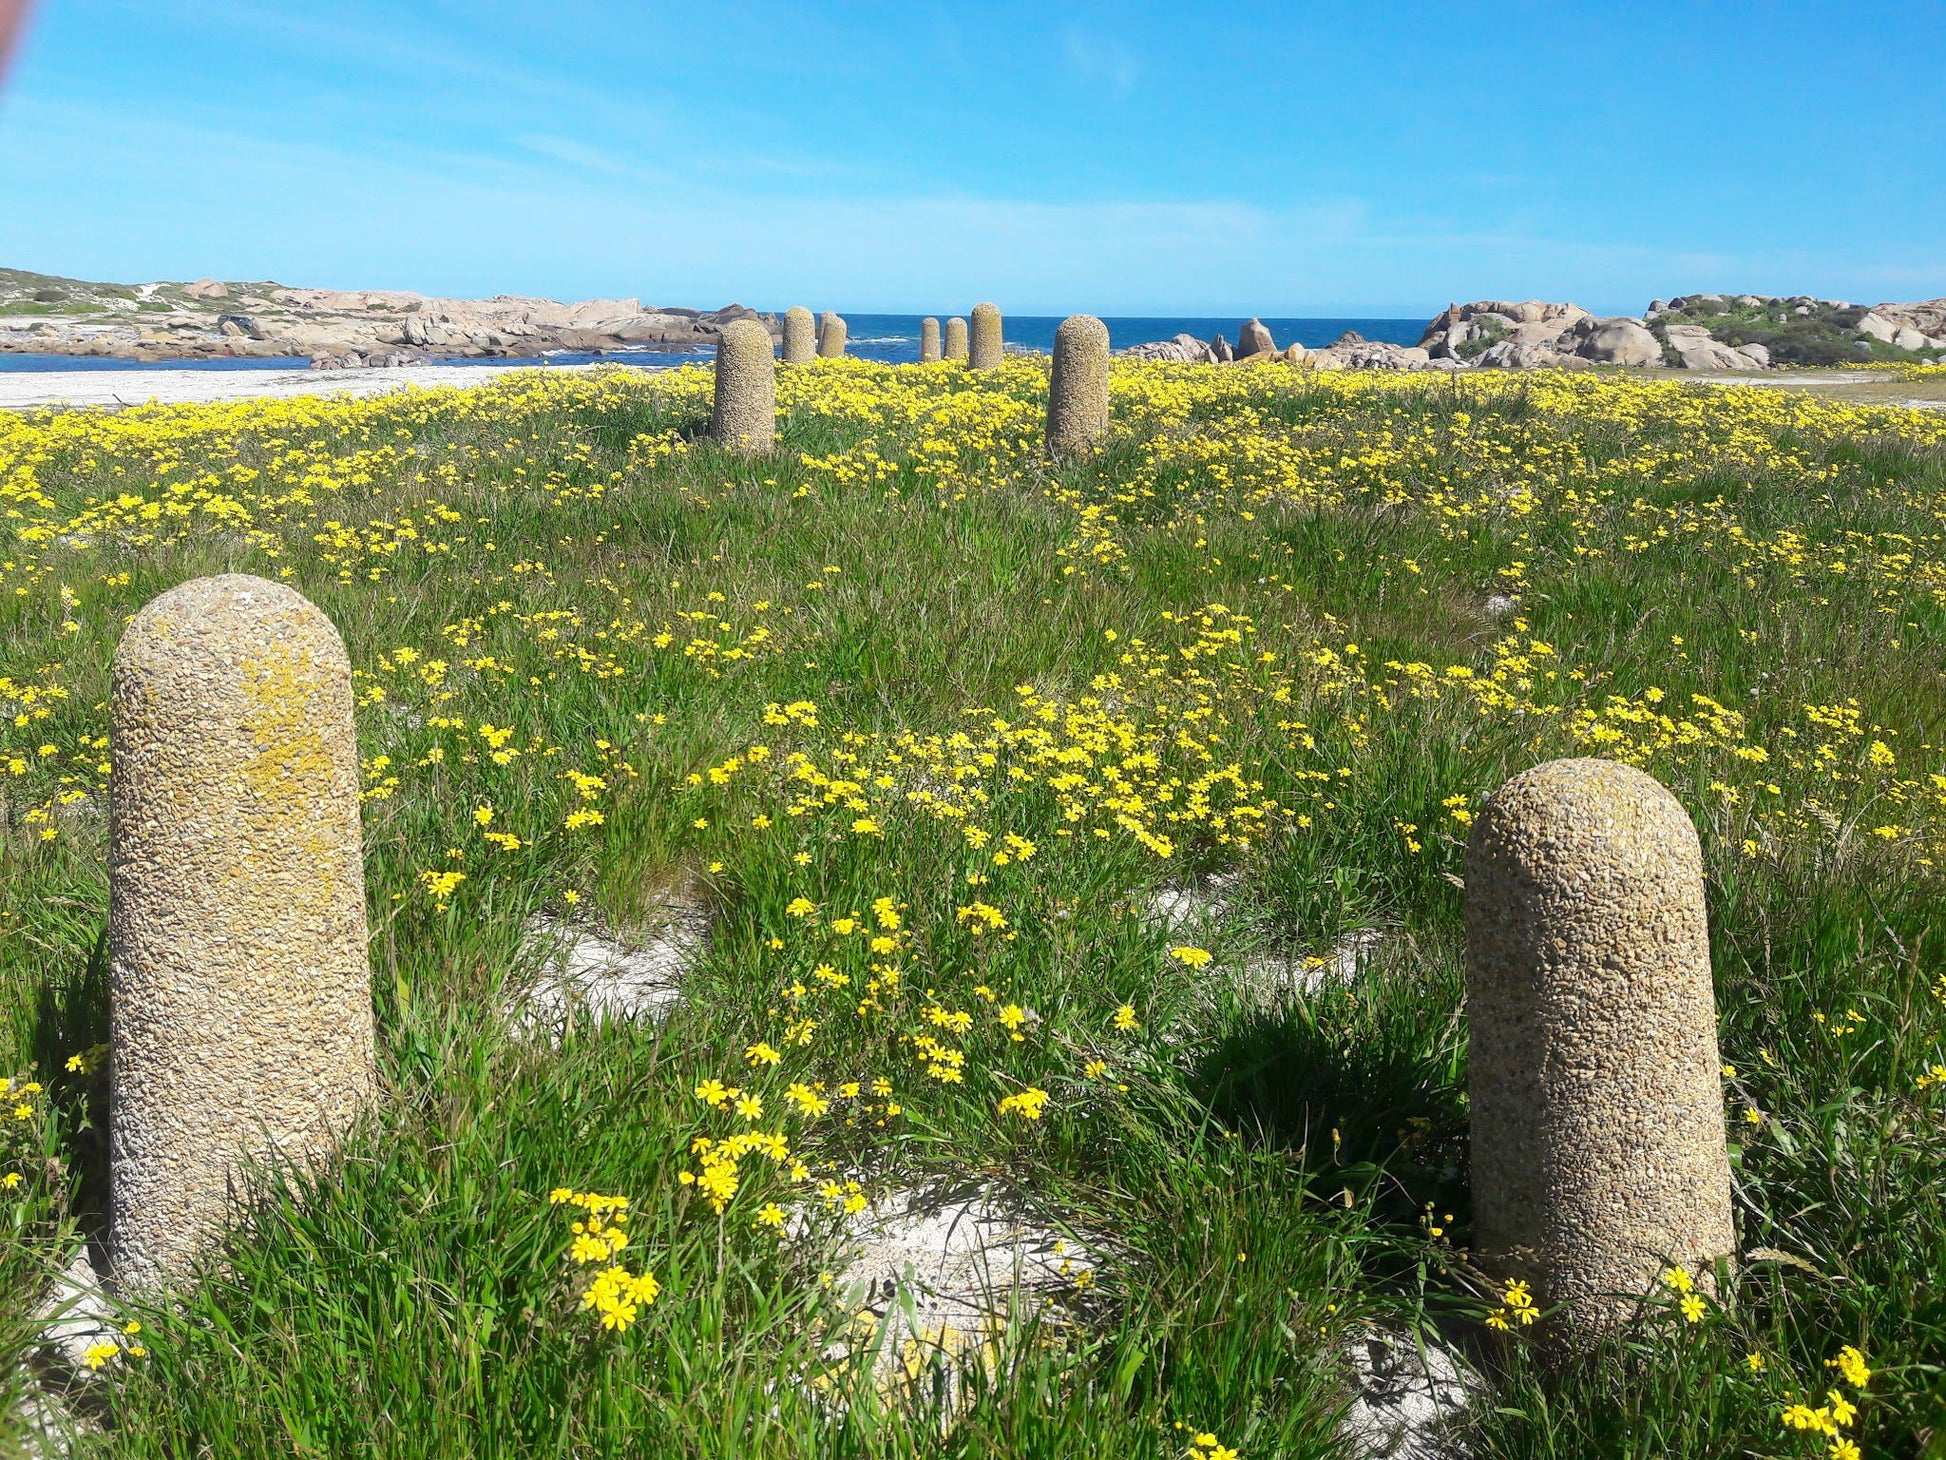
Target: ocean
pixel 891 338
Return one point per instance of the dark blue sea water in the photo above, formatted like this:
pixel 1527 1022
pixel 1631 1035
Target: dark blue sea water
pixel 892 338
pixel 895 337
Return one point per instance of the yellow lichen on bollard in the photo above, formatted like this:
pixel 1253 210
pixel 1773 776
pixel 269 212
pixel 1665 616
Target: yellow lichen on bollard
pixel 928 340
pixel 831 337
pixel 240 992
pixel 984 349
pixel 800 336
pixel 744 415
pixel 1077 392
pixel 1598 1149
pixel 956 339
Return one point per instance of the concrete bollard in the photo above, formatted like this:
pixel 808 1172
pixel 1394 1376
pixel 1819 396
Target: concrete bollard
pixel 800 336
pixel 1077 392
pixel 928 340
pixel 984 346
pixel 744 416
pixel 956 339
pixel 1599 1153
pixel 831 337
pixel 240 1004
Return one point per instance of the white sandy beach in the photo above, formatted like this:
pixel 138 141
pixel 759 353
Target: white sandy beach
pixel 29 389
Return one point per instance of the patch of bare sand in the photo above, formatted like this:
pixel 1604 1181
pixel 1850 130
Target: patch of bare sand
pixel 116 389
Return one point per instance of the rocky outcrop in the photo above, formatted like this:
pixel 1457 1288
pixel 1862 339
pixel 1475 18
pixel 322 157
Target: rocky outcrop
pixel 368 360
pixel 1927 318
pixel 1513 355
pixel 1701 351
pixel 1876 326
pixel 1468 332
pixel 1352 351
pixel 338 327
pixel 1798 329
pixel 1184 349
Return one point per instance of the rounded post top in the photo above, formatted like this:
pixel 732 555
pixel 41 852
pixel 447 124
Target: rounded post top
pixel 1580 809
pixel 1081 330
pixel 224 614
pixel 746 336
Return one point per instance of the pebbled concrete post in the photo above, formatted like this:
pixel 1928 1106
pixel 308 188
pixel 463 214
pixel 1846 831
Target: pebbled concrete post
pixel 984 345
pixel 831 337
pixel 1599 1153
pixel 1077 391
pixel 744 415
pixel 956 339
pixel 240 993
pixel 928 340
pixel 800 336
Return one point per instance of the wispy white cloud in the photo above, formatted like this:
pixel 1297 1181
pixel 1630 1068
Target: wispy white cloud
pixel 1101 59
pixel 587 158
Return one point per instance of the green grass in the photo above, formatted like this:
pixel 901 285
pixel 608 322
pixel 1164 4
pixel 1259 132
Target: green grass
pixel 1263 1174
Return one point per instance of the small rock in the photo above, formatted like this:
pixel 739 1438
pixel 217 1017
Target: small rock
pixel 1220 351
pixel 1254 339
pixel 242 326
pixel 1620 342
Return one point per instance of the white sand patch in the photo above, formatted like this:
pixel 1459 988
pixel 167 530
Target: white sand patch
pixel 589 976
pixel 935 1281
pixel 1207 910
pixel 75 1316
pixel 1202 908
pixel 1269 976
pixel 32 389
pixel 1406 1398
pixel 47 1430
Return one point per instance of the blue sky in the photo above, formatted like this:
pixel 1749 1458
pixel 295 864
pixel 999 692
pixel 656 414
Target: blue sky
pixel 1278 158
